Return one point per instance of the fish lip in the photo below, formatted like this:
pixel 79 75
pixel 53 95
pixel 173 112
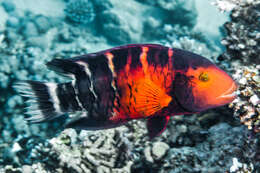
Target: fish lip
pixel 229 93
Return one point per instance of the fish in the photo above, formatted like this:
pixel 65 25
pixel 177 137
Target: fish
pixel 138 81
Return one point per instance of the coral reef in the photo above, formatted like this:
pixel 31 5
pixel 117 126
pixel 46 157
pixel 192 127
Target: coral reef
pixel 205 142
pixel 118 150
pixel 228 5
pixel 240 167
pixel 176 12
pixel 247 105
pixel 242 44
pixel 80 11
pixel 242 41
pixel 85 152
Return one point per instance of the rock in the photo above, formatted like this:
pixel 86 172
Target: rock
pixel 27 169
pixel 38 41
pixel 16 147
pixel 8 5
pixel 65 35
pixel 147 154
pixel 42 23
pixel 115 28
pixel 11 36
pixel 254 100
pixel 12 22
pixel 159 150
pixel 102 5
pixel 29 30
pixel 80 11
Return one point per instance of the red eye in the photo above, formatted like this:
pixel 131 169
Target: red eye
pixel 204 77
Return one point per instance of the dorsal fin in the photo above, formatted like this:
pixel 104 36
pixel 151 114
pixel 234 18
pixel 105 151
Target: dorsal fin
pixel 64 66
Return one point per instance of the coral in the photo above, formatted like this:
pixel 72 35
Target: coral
pixel 243 36
pixel 102 151
pixel 80 11
pixel 238 167
pixel 118 26
pixel 242 42
pixel 194 41
pixel 243 54
pixel 247 105
pixel 115 28
pixel 176 12
pixel 228 5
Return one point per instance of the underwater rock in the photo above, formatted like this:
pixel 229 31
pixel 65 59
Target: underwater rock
pixel 29 30
pixel 8 5
pixel 238 167
pixel 102 5
pixel 159 149
pixel 42 23
pixel 220 136
pixel 180 12
pixel 80 11
pixel 213 154
pixel 12 22
pixel 38 41
pixel 115 28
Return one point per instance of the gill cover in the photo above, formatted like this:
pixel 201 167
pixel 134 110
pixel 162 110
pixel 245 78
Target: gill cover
pixel 211 87
pixel 199 84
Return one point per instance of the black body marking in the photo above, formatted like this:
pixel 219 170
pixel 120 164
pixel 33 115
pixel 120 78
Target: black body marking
pixel 120 58
pixel 152 56
pixel 182 93
pixel 135 54
pixel 164 58
pixel 67 98
pixel 184 59
pixel 102 78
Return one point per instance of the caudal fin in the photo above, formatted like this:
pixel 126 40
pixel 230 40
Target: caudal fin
pixel 42 98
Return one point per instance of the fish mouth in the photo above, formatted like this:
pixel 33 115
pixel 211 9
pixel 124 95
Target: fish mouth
pixel 231 93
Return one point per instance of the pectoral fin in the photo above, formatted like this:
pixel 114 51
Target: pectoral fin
pixel 156 125
pixel 149 98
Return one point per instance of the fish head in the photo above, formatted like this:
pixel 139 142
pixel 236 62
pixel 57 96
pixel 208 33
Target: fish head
pixel 201 85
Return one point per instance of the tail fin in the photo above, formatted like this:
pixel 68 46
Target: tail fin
pixel 43 100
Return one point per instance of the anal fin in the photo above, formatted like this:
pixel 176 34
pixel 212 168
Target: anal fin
pixel 90 123
pixel 156 125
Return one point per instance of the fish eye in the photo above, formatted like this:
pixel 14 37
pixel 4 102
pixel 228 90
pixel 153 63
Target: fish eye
pixel 204 77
